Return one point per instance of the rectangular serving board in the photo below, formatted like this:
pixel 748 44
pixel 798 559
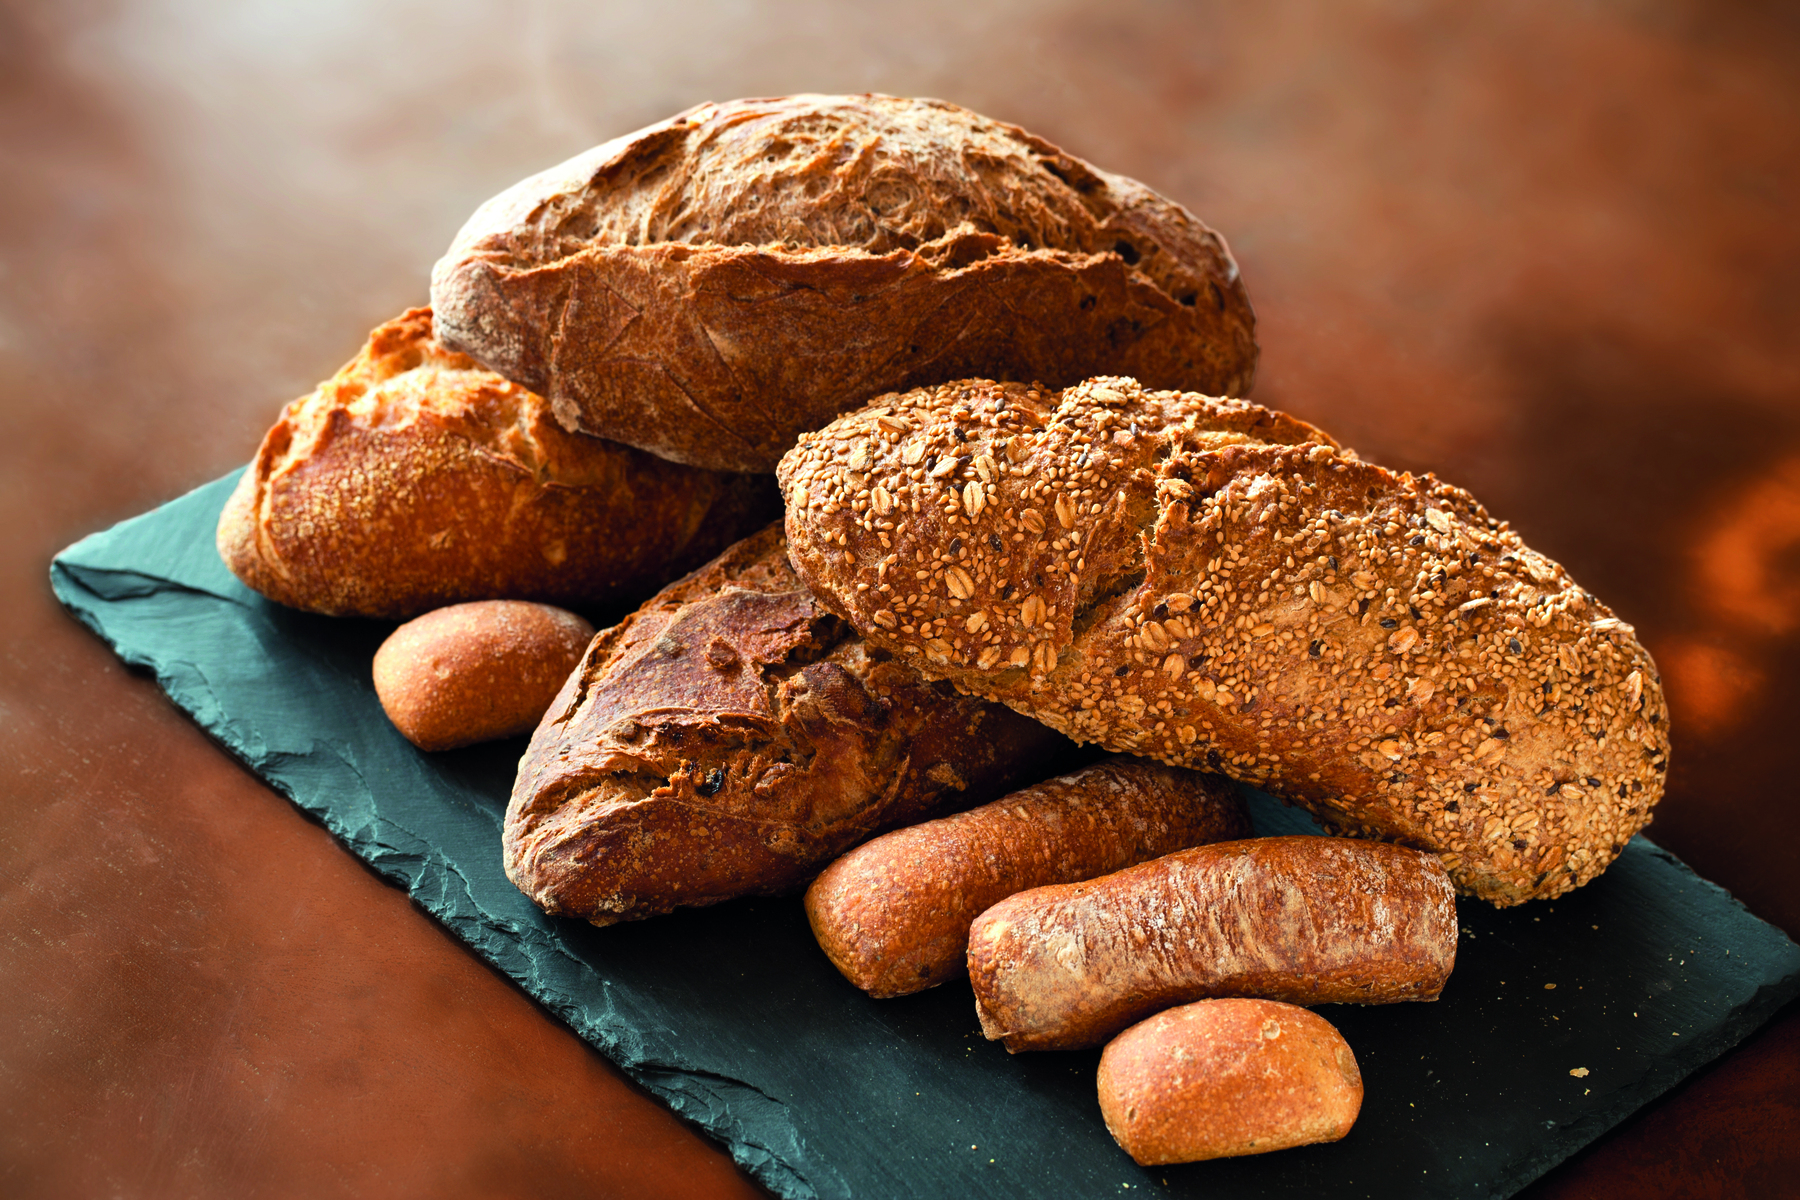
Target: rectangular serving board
pixel 1561 1018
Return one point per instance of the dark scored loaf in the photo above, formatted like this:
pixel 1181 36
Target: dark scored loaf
pixel 893 914
pixel 712 286
pixel 1219 586
pixel 1305 920
pixel 415 478
pixel 731 737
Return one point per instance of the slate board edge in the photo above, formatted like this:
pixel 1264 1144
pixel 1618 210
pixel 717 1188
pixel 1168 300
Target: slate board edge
pixel 1669 1071
pixel 674 1086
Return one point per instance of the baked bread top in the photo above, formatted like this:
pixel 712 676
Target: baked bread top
pixel 713 285
pixel 1220 586
pixel 415 477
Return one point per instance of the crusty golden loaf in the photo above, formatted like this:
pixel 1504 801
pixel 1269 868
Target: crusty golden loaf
pixel 713 285
pixel 1220 586
pixel 415 478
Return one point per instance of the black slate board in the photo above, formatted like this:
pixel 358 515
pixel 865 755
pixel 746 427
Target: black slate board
pixel 733 1017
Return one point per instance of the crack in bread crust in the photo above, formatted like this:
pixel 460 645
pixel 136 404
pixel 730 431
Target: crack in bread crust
pixel 1220 586
pixel 731 737
pixel 830 248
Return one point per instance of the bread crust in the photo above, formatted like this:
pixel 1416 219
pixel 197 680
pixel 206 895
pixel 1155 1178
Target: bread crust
pixel 474 672
pixel 729 738
pixel 1220 1078
pixel 1305 920
pixel 711 286
pixel 1219 586
pixel 893 914
pixel 414 478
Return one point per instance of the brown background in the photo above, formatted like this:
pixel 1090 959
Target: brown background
pixel 1548 250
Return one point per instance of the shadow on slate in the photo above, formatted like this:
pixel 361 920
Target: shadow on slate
pixel 733 1017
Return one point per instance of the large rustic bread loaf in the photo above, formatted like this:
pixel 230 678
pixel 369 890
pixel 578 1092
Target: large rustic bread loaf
pixel 893 914
pixel 1220 1078
pixel 1306 920
pixel 730 738
pixel 415 478
pixel 712 286
pixel 1219 586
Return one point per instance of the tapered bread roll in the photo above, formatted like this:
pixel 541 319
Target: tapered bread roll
pixel 1306 920
pixel 1221 1078
pixel 414 478
pixel 731 737
pixel 1219 586
pixel 893 914
pixel 714 285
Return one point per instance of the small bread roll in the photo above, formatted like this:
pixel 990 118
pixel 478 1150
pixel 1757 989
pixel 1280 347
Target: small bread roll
pixel 1221 1078
pixel 474 672
pixel 893 915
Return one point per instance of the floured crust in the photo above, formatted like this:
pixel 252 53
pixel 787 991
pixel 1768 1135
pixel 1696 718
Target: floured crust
pixel 713 285
pixel 729 738
pixel 1219 586
pixel 415 478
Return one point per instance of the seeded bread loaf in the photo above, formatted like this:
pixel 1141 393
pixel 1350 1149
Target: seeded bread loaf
pixel 893 914
pixel 713 285
pixel 731 737
pixel 1219 586
pixel 1305 920
pixel 414 478
pixel 1219 1078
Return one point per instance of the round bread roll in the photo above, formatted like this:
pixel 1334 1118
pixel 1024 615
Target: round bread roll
pixel 1220 586
pixel 475 672
pixel 1221 1078
pixel 712 286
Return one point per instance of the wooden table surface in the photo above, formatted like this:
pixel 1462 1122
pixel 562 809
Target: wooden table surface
pixel 1547 251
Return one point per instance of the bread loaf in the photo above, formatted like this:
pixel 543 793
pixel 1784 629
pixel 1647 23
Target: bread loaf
pixel 478 671
pixel 1307 920
pixel 731 737
pixel 1226 1077
pixel 713 285
pixel 893 914
pixel 413 478
pixel 1219 586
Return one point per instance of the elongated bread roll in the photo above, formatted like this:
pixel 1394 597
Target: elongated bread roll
pixel 1307 920
pixel 729 738
pixel 1220 1078
pixel 1219 586
pixel 893 915
pixel 414 478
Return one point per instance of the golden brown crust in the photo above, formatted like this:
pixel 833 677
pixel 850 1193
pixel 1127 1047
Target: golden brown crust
pixel 1221 1078
pixel 414 478
pixel 1219 586
pixel 729 738
pixel 1306 920
pixel 710 287
pixel 893 915
pixel 474 672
